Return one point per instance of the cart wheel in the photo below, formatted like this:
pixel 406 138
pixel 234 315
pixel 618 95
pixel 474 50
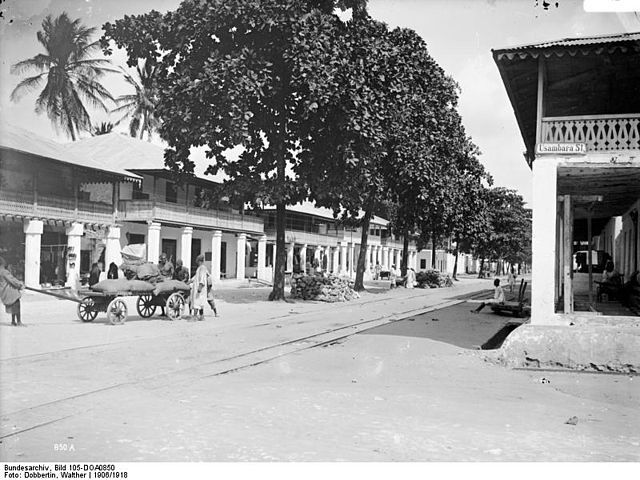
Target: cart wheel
pixel 87 311
pixel 174 305
pixel 117 311
pixel 145 306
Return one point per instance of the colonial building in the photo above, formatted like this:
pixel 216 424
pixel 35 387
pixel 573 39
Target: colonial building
pixel 577 103
pixel 181 220
pixel 69 205
pixel 315 238
pixel 50 222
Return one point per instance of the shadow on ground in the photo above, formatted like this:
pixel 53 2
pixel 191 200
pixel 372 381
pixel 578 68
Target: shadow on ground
pixel 455 325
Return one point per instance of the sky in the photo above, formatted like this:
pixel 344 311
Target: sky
pixel 459 35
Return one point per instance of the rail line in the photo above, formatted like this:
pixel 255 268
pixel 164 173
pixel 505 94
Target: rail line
pixel 44 414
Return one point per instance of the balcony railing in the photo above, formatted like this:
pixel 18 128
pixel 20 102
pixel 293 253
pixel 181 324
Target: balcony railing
pixel 54 208
pixel 136 210
pixel 598 132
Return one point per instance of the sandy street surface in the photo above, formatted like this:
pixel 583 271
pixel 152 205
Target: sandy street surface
pixel 414 390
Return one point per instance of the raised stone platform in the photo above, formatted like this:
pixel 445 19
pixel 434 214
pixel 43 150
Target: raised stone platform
pixel 602 348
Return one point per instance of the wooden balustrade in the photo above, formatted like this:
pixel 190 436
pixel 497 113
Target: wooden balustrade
pixel 598 132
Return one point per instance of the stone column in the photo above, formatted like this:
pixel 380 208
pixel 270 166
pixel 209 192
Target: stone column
pixel 241 251
pixel 317 255
pixel 262 257
pixel 544 240
pixel 216 248
pixel 352 259
pixel 398 258
pixel 378 255
pixel 74 245
pixel 390 258
pixel 290 248
pixel 153 242
pixel 343 258
pixel 303 258
pixel 367 263
pixel 33 236
pixel 112 249
pixel 335 264
pixel 184 249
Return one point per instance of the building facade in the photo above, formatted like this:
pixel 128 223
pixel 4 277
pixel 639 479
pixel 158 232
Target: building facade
pixel 62 210
pixel 577 103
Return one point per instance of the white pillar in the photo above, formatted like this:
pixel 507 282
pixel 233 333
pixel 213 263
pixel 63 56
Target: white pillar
pixel 390 258
pixel 335 264
pixel 216 248
pixel 398 258
pixel 378 254
pixel 544 240
pixel 290 248
pixel 343 258
pixel 74 243
pixel 317 255
pixel 352 263
pixel 262 257
pixel 303 259
pixel 112 251
pixel 367 264
pixel 184 249
pixel 32 241
pixel 241 251
pixel 273 257
pixel 153 242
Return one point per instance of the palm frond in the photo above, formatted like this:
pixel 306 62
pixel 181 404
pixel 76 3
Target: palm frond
pixel 39 62
pixel 93 91
pixel 25 86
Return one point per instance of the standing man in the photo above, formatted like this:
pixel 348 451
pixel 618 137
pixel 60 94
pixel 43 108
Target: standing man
pixel 10 293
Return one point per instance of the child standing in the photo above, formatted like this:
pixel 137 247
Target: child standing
pixel 10 293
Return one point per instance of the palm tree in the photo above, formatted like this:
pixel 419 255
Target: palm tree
pixel 71 75
pixel 140 106
pixel 102 129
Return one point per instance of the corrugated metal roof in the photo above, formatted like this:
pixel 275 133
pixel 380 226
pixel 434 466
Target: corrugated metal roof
pixel 322 212
pixel 124 152
pixel 599 40
pixel 21 140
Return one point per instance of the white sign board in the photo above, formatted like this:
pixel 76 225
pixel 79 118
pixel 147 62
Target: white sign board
pixel 561 149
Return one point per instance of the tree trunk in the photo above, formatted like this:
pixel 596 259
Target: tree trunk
pixel 405 252
pixel 362 258
pixel 281 254
pixel 433 251
pixel 481 268
pixel 455 263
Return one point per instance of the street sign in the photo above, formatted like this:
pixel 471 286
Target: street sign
pixel 561 149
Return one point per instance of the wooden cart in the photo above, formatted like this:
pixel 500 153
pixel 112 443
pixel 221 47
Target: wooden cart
pixel 90 303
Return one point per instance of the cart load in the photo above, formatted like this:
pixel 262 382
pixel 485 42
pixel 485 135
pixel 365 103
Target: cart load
pixel 169 286
pixel 115 286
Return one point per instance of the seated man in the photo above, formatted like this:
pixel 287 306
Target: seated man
pixel 498 297
pixel 611 282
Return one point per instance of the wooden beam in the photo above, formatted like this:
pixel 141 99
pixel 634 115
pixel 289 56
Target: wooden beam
pixel 589 237
pixel 540 97
pixel 568 255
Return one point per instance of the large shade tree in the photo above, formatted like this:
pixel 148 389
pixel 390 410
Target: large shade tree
pixel 69 72
pixel 375 98
pixel 223 70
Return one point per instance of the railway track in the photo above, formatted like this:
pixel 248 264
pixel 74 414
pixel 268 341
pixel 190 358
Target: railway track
pixel 46 413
